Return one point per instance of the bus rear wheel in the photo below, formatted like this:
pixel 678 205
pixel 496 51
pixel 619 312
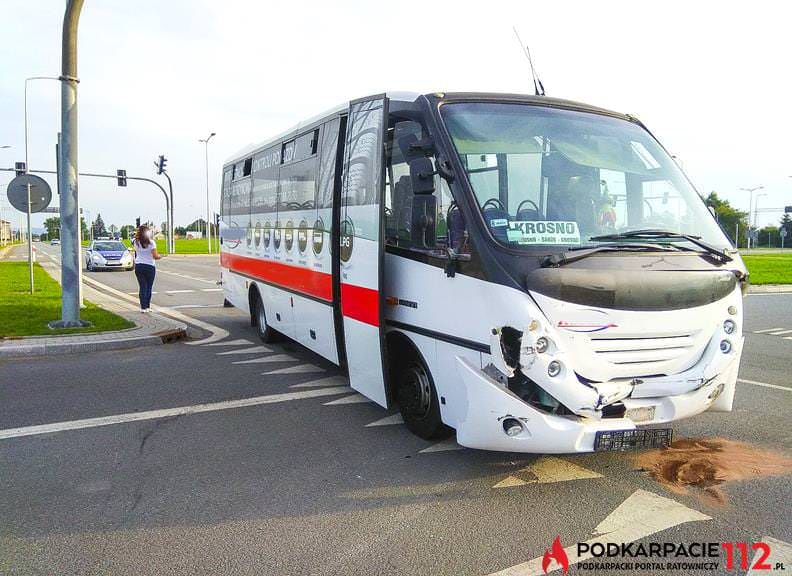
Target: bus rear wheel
pixel 259 319
pixel 418 402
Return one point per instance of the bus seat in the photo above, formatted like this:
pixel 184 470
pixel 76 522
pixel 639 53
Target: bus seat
pixel 528 215
pixel 499 215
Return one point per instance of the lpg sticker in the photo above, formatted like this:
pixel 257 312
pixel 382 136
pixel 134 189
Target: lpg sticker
pixel 543 232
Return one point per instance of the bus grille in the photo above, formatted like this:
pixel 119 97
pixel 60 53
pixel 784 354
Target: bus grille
pixel 644 350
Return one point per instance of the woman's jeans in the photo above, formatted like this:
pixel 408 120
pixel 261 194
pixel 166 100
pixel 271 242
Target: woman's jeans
pixel 145 277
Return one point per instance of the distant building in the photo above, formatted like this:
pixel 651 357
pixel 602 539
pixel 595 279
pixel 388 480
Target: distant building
pixel 5 231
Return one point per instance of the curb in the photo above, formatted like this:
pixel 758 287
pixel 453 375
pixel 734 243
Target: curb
pixel 50 349
pixel 769 288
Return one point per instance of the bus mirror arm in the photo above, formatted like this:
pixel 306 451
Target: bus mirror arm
pixel 454 257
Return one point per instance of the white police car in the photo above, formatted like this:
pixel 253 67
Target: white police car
pixel 107 255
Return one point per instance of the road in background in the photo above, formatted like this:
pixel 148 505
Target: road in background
pixel 308 477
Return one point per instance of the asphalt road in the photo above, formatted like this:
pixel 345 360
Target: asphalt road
pixel 294 483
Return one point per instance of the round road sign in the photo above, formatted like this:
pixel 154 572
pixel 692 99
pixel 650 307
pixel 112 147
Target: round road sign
pixel 40 193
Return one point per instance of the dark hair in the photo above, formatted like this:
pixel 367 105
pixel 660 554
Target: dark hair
pixel 141 237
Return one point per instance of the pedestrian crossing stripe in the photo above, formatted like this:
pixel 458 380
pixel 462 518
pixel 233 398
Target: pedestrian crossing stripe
pixel 547 470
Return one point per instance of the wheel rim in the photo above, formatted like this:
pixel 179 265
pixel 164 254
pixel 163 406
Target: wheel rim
pixel 415 393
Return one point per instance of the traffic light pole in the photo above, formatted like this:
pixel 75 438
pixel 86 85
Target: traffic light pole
pixel 168 208
pixel 171 237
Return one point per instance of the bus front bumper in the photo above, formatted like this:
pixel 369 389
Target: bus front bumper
pixel 486 404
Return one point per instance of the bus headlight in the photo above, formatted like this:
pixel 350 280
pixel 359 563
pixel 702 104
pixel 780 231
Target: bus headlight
pixel 725 346
pixel 729 326
pixel 542 344
pixel 554 368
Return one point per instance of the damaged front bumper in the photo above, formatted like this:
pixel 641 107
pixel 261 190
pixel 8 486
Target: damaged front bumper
pixel 488 406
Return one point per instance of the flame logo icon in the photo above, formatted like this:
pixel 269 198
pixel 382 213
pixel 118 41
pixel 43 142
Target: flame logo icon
pixel 555 552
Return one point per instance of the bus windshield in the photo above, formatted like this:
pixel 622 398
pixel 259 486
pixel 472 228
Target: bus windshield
pixel 546 176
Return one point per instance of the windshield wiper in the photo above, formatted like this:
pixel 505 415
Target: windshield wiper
pixel 575 254
pixel 667 235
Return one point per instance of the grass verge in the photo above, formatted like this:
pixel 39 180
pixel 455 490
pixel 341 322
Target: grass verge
pixel 25 314
pixel 769 268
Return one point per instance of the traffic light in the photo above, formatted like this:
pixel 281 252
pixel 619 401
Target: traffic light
pixel 137 222
pixel 20 168
pixel 121 175
pixel 161 161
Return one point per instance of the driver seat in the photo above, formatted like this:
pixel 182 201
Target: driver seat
pixel 497 214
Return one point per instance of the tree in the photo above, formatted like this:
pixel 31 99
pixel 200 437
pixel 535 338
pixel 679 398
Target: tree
pixel 127 231
pixel 99 226
pixel 767 236
pixel 52 224
pixel 729 218
pixel 786 222
pixel 83 228
pixel 180 231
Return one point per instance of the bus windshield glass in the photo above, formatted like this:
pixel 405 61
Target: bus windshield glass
pixel 546 176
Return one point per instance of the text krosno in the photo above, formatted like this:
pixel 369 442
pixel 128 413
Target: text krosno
pixel 650 550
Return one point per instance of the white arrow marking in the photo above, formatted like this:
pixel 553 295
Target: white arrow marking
pixel 641 515
pixel 239 342
pixel 301 369
pixel 331 381
pixel 547 470
pixel 275 358
pixel 354 399
pixel 445 445
pixel 254 350
pixel 387 421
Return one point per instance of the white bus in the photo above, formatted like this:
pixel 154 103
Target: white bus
pixel 534 273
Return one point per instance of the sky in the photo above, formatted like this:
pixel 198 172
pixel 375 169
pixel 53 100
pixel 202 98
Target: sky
pixel 710 79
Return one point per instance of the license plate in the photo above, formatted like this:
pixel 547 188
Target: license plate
pixel 619 440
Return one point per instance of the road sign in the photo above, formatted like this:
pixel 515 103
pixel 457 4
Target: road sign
pixel 783 232
pixel 40 193
pixel 787 209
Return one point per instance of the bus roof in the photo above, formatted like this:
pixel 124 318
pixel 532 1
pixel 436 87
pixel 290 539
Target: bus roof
pixel 411 97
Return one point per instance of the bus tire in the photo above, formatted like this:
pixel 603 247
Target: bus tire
pixel 418 401
pixel 258 318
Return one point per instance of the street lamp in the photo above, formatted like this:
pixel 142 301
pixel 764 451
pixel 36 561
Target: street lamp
pixel 27 164
pixel 750 205
pixel 205 142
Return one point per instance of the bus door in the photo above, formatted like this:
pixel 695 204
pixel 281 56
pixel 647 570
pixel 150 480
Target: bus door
pixel 361 247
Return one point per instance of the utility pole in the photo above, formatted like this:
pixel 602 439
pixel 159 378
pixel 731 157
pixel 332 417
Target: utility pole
pixel 205 142
pixel 750 207
pixel 69 198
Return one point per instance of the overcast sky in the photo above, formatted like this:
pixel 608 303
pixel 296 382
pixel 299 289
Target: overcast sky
pixel 712 80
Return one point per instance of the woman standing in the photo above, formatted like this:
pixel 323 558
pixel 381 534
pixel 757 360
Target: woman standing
pixel 145 256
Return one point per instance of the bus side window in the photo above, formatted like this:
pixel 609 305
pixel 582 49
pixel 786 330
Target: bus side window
pixel 399 195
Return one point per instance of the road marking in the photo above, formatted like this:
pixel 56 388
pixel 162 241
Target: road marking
pixel 168 412
pixel 354 399
pixel 211 289
pixel 138 292
pixel 768 293
pixel 547 470
pixel 240 342
pixel 445 445
pixel 639 516
pixel 178 291
pixel 387 421
pixel 301 369
pixel 331 381
pixel 766 330
pixel 254 350
pixel 755 383
pixel 779 333
pixel 182 306
pixel 187 277
pixel 780 552
pixel 275 358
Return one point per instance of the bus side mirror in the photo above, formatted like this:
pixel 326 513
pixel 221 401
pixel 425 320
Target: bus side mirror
pixel 422 176
pixel 422 229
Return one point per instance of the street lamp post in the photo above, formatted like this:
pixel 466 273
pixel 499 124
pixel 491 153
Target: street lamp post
pixel 205 142
pixel 750 206
pixel 756 212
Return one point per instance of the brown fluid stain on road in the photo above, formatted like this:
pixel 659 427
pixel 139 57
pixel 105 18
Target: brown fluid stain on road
pixel 701 466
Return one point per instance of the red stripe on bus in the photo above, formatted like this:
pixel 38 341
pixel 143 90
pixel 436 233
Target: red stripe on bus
pixel 360 303
pixel 303 280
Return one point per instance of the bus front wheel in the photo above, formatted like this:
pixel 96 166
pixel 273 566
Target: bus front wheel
pixel 418 402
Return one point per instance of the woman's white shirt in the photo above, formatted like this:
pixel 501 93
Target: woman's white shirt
pixel 144 255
